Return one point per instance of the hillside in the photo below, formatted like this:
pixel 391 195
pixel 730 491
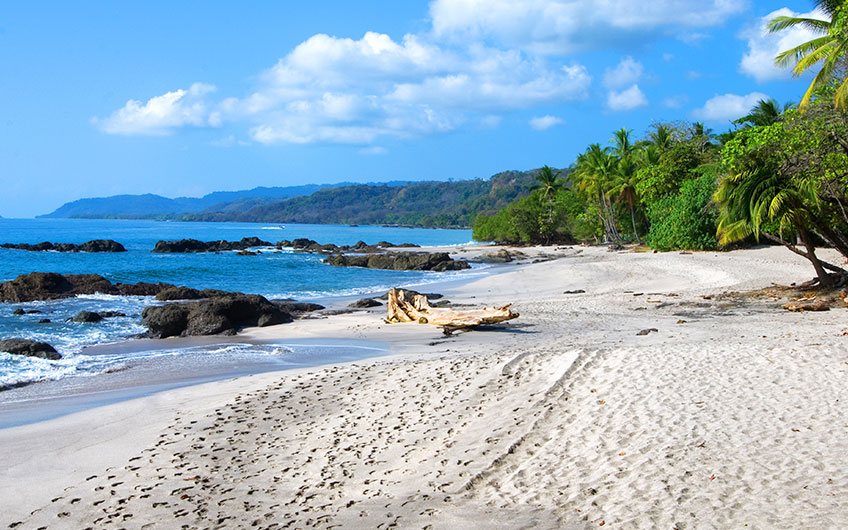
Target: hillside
pixel 437 204
pixel 151 206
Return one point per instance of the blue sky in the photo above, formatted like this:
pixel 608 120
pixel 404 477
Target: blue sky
pixel 185 98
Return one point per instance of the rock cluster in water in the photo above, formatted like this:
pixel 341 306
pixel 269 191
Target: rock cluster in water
pixel 401 261
pixel 38 286
pixel 213 316
pixel 29 348
pixel 194 245
pixel 310 245
pixel 96 245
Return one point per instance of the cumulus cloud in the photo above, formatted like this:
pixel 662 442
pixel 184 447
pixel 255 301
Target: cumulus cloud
pixel 543 123
pixel 564 26
pixel 163 114
pixel 758 61
pixel 627 99
pixel 355 91
pixel 626 72
pixel 727 106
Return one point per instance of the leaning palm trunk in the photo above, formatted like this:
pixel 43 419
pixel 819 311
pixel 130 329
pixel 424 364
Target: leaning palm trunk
pixel 824 278
pixel 633 220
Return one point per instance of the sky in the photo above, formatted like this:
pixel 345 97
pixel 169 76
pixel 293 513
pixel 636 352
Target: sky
pixel 186 98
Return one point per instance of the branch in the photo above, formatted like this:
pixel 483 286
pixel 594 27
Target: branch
pixel 829 266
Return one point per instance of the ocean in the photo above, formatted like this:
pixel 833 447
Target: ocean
pixel 273 274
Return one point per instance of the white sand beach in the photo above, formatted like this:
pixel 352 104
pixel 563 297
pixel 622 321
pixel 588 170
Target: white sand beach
pixel 728 415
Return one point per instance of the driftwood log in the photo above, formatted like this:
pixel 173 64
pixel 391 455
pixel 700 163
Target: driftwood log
pixel 411 307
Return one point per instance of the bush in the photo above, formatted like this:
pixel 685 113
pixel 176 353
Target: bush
pixel 526 221
pixel 686 221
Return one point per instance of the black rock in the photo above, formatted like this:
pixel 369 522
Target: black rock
pixel 86 317
pixel 215 316
pixel 365 303
pixel 19 312
pixel 96 245
pixel 297 308
pixel 410 261
pixel 194 245
pixel 53 286
pixel 45 321
pixel 30 348
pixel 179 293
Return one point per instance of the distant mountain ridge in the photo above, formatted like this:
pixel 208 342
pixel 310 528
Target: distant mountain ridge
pixel 150 206
pixel 431 203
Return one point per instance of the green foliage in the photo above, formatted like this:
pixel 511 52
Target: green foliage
pixel 534 219
pixel 687 220
pixel 674 167
pixel 433 204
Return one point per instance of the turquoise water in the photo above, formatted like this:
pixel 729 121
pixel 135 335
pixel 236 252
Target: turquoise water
pixel 274 274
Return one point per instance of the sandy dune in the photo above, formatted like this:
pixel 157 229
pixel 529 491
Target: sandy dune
pixel 728 415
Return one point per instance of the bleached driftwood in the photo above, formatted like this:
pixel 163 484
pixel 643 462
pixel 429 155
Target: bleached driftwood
pixel 404 306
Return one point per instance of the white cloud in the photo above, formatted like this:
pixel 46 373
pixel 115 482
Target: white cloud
pixel 627 99
pixel 355 91
pixel 564 26
pixel 163 114
pixel 626 72
pixel 727 107
pixel 374 150
pixel 543 123
pixel 758 61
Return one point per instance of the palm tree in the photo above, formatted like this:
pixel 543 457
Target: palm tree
pixel 594 172
pixel 765 112
pixel 830 49
pixel 548 184
pixel 624 180
pixel 760 194
pixel 662 136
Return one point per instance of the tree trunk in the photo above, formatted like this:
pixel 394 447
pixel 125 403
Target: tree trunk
pixel 633 221
pixel 824 278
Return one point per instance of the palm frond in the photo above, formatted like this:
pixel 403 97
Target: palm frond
pixel 783 22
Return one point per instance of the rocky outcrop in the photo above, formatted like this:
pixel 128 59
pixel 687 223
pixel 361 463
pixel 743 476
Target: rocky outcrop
pixel 365 303
pixel 401 261
pixel 297 309
pixel 501 256
pixel 86 317
pixel 187 293
pixel 194 245
pixel 310 245
pixel 216 316
pixel 96 245
pixel 92 317
pixel 30 348
pixel 52 286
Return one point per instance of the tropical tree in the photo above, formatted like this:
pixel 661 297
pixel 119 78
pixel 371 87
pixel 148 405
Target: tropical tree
pixel 777 187
pixel 829 49
pixel 765 112
pixel 548 184
pixel 594 173
pixel 625 176
pixel 661 136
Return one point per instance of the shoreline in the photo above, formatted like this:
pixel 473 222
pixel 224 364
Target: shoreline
pixel 568 419
pixel 24 404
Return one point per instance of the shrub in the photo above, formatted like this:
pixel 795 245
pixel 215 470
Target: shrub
pixel 687 220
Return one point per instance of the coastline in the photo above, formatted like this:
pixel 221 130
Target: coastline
pixel 567 419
